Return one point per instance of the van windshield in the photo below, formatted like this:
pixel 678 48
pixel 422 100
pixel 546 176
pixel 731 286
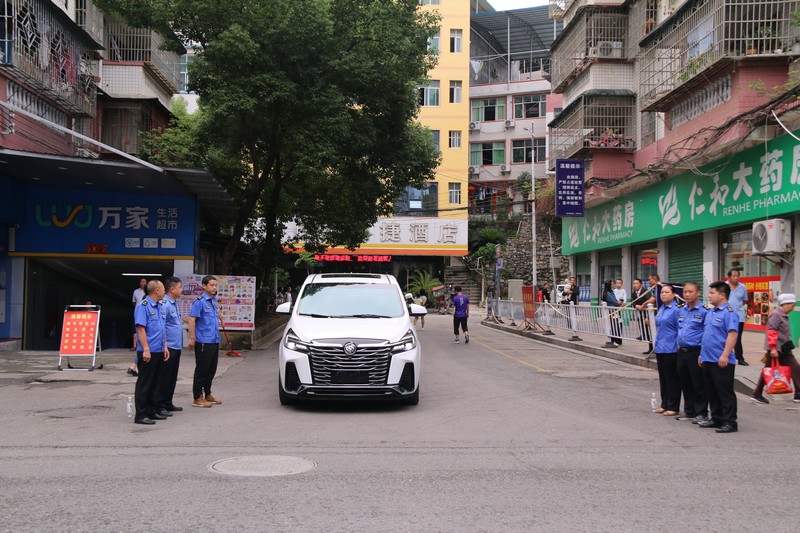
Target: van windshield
pixel 346 300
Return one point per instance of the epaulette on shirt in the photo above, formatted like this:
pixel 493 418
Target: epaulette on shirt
pixel 144 302
pixel 708 307
pixel 681 305
pixel 730 309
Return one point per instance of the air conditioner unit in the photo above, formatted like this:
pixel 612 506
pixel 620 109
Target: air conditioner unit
pixel 510 123
pixel 612 49
pixel 505 169
pixel 475 126
pixel 772 236
pixel 475 169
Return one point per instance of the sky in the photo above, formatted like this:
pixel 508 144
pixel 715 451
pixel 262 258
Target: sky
pixel 506 5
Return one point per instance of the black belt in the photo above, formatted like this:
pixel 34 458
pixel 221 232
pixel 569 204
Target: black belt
pixel 687 349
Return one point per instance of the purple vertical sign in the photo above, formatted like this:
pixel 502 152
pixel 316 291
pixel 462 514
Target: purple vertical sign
pixel 569 188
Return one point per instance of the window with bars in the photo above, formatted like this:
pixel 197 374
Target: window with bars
pixel 455 41
pixel 429 94
pixel 530 106
pixel 489 109
pixel 455 92
pixel 454 193
pixel 429 2
pixel 523 150
pixel 491 153
pixel 455 139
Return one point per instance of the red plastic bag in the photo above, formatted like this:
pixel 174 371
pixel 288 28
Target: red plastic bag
pixel 777 378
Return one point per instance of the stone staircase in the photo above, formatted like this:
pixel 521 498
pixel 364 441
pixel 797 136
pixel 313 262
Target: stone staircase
pixel 461 276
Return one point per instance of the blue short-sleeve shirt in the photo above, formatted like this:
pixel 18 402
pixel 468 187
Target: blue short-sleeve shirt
pixel 737 299
pixel 691 324
pixel 172 324
pixel 666 329
pixel 206 327
pixel 719 321
pixel 150 314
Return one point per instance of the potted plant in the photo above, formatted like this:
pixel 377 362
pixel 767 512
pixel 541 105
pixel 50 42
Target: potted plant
pixel 768 36
pixel 750 47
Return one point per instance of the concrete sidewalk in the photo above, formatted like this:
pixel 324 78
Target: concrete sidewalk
pixel 631 351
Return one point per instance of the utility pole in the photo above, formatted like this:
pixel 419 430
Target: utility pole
pixel 533 210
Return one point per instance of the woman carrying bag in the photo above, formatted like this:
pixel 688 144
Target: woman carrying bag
pixel 778 344
pixel 666 349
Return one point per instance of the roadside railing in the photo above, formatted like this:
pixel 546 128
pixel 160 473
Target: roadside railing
pixel 617 323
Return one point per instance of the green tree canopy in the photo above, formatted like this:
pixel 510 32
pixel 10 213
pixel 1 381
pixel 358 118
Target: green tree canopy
pixel 317 99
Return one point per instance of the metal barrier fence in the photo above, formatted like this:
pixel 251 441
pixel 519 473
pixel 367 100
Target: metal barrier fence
pixel 616 323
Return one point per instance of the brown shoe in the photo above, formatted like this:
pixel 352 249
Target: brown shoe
pixel 200 402
pixel 210 399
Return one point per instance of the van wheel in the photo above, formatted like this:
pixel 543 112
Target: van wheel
pixel 282 396
pixel 413 399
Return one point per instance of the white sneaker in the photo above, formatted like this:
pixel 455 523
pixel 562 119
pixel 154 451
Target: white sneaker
pixel 456 341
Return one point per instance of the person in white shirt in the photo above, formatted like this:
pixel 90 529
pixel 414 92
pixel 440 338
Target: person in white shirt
pixel 288 295
pixel 619 292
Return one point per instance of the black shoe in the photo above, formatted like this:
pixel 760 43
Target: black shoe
pixel 685 418
pixel 174 408
pixel 132 372
pixel 743 363
pixel 164 413
pixel 146 421
pixel 708 423
pixel 699 418
pixel 156 416
pixel 638 338
pixel 759 399
pixel 648 352
pixel 727 428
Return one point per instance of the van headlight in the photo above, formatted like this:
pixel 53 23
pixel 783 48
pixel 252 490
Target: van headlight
pixel 406 344
pixel 292 342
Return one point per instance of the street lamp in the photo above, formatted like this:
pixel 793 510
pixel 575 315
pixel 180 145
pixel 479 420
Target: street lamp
pixel 533 209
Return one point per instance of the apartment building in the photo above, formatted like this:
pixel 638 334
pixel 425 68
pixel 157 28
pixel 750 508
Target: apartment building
pixel 681 111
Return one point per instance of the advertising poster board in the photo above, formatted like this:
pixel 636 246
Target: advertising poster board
pixel 762 296
pixel 236 297
pixel 528 303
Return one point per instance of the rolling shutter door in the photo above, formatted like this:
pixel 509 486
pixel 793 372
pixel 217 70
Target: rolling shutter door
pixel 686 259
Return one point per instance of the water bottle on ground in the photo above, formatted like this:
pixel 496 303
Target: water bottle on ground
pixel 653 402
pixel 129 407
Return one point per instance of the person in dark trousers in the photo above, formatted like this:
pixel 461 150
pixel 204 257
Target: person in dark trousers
pixel 691 324
pixel 151 348
pixel 613 305
pixel 138 296
pixel 738 300
pixel 204 338
pixel 653 294
pixel 460 316
pixel 666 348
pixel 719 360
pixel 778 343
pixel 165 391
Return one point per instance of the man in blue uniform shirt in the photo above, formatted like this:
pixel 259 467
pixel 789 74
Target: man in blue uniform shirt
pixel 691 325
pixel 165 390
pixel 151 350
pixel 719 360
pixel 204 338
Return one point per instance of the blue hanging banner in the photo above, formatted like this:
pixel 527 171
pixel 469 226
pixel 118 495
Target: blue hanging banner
pixel 569 187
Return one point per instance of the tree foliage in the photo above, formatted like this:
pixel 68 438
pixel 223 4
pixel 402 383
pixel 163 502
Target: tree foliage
pixel 316 102
pixel 422 280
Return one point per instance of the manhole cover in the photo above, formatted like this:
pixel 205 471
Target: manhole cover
pixel 262 465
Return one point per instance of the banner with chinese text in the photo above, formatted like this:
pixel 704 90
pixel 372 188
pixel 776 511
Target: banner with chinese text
pixel 528 302
pixel 758 183
pixel 79 333
pixel 236 298
pixel 569 187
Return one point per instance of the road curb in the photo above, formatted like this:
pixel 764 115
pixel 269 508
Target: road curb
pixel 741 384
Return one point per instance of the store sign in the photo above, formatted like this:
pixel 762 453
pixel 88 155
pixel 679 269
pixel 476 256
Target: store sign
pixel 758 183
pixel 87 222
pixel 344 258
pixel 569 187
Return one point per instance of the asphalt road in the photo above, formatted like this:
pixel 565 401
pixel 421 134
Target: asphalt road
pixel 509 435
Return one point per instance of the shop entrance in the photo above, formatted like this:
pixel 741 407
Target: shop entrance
pixel 52 283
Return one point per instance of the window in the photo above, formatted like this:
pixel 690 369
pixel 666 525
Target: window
pixel 429 2
pixel 433 44
pixel 455 139
pixel 649 127
pixel 521 151
pixel 422 202
pixel 429 94
pixel 489 109
pixel 454 191
pixel 455 41
pixel 530 106
pixel 455 92
pixel 487 153
pixel 435 138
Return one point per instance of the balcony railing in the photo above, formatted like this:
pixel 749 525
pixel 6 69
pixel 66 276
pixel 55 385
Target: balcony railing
pixel 595 35
pixel 89 17
pixel 124 43
pixel 44 52
pixel 704 36
pixel 594 122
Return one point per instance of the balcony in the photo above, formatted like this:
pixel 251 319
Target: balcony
pixel 89 17
pixel 597 120
pixel 47 52
pixel 594 36
pixel 703 38
pixel 567 9
pixel 126 44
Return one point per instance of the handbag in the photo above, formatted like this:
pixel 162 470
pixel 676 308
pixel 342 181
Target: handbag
pixel 778 379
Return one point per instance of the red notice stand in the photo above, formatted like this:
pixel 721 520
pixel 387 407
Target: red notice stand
pixel 79 334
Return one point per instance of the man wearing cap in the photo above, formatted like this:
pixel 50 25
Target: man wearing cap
pixel 779 344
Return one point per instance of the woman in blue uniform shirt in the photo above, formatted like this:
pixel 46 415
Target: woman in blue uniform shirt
pixel 666 348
